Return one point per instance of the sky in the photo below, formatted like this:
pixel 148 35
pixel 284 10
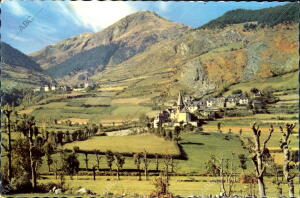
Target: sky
pixel 32 25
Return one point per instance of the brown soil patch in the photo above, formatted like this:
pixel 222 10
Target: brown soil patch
pixel 285 45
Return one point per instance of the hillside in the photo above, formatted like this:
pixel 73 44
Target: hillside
pixel 144 54
pixel 268 16
pixel 205 60
pixel 20 77
pixel 118 42
pixel 20 71
pixel 12 56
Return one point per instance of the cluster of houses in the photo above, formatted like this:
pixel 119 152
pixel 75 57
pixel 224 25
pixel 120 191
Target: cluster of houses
pixel 54 87
pixel 184 110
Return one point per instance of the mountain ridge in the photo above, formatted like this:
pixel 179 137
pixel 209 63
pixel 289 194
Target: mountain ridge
pixel 14 57
pixel 130 35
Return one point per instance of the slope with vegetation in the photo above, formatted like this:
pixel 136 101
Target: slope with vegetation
pixel 268 16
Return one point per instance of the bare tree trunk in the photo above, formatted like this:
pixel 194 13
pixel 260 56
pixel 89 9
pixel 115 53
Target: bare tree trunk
pixel 7 113
pixel 287 157
pixel 261 187
pixel 49 168
pixel 139 172
pixel 32 163
pixel 86 161
pixel 156 161
pixel 98 161
pixel 257 158
pixel 146 165
pixel 9 150
pixel 118 176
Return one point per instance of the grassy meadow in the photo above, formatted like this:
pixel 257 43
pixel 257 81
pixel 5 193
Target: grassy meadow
pixel 128 144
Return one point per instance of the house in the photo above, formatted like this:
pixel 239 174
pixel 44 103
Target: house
pixel 87 84
pixel 202 103
pixel 192 107
pixel 46 88
pixel 209 102
pixel 243 100
pixel 232 101
pixel 53 87
pixel 37 89
pixel 257 104
pixel 219 102
pixel 65 88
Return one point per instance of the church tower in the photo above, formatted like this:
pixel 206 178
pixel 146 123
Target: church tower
pixel 180 104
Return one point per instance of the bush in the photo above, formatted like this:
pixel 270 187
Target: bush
pixel 45 188
pixel 21 184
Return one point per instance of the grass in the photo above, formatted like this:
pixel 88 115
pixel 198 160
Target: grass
pixel 199 147
pixel 129 185
pixel 58 106
pixel 287 81
pixel 136 143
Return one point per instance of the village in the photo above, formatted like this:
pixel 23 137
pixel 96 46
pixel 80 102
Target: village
pixel 56 87
pixel 188 110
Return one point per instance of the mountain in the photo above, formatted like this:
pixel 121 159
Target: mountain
pixel 268 16
pixel 205 60
pixel 113 45
pixel 20 71
pixel 146 55
pixel 14 57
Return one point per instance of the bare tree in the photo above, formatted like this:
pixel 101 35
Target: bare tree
pixel 167 163
pixel 86 161
pixel 278 180
pixel 7 112
pixel 26 126
pixel 224 168
pixel 259 153
pixel 287 161
pixel 146 164
pixel 137 161
pixel 156 161
pixel 98 157
pixel 119 161
pixel 109 158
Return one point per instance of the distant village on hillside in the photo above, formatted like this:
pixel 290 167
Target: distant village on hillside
pixel 55 87
pixel 189 110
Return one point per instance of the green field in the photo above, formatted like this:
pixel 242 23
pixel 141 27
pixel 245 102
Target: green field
pixel 287 81
pixel 129 186
pixel 128 144
pixel 197 147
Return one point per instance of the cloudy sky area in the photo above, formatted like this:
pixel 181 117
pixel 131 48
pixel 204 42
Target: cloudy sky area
pixel 53 21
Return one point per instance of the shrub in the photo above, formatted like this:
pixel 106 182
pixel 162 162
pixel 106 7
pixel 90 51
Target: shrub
pixel 21 183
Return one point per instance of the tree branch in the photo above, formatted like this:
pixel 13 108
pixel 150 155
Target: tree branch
pixel 291 177
pixel 6 149
pixel 262 172
pixel 255 163
pixel 268 138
